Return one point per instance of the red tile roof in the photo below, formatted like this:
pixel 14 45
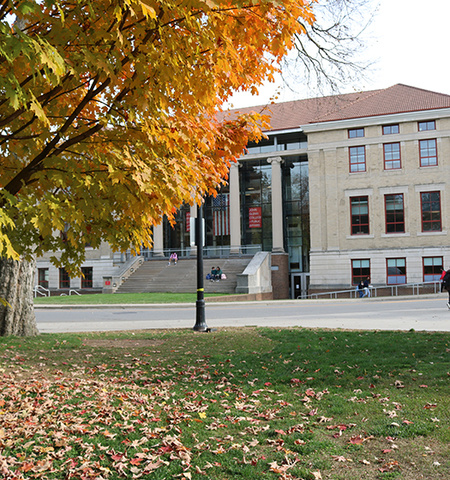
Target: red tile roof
pixel 396 99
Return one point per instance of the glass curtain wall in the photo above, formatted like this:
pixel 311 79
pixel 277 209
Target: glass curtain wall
pixel 296 212
pixel 256 205
pixel 217 222
pixel 177 237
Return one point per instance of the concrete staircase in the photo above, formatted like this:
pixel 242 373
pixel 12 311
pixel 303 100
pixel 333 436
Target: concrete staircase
pixel 157 276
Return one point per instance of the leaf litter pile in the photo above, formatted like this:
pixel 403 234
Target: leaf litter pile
pixel 235 403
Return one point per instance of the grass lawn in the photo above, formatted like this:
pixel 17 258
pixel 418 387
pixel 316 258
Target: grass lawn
pixel 120 298
pixel 249 403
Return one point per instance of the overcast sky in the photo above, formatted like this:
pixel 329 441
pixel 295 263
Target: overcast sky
pixel 410 44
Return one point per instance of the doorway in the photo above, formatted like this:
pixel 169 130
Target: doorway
pixel 299 285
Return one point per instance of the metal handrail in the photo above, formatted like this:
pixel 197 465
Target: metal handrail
pixel 40 290
pixel 353 293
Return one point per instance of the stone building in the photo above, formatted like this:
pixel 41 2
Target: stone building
pixel 344 187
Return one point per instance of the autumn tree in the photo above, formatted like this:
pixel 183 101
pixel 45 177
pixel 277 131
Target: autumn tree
pixel 108 119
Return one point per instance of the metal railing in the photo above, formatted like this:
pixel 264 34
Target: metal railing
pixel 394 289
pixel 70 293
pixel 218 251
pixel 40 290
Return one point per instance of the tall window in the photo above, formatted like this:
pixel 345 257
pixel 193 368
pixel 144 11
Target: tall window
pixel 395 213
pixel 86 277
pixel 360 270
pixel 43 277
pixel 390 129
pixel 296 212
pixel 428 153
pixel 423 126
pixel 357 159
pixel 431 211
pixel 359 207
pixel 355 132
pixel 432 269
pixel 396 271
pixel 64 279
pixel 256 205
pixel 391 156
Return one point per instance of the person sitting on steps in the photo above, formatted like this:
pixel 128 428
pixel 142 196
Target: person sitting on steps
pixel 218 274
pixel 213 274
pixel 173 258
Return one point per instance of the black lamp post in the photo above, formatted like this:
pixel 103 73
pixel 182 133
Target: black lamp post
pixel 200 322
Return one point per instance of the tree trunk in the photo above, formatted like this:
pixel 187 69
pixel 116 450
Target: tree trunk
pixel 16 287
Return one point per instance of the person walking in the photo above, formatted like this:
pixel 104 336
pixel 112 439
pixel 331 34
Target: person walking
pixel 446 285
pixel 367 287
pixel 360 289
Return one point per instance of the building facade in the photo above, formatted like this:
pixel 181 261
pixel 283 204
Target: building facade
pixel 343 188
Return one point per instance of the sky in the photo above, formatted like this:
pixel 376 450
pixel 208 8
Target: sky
pixel 408 43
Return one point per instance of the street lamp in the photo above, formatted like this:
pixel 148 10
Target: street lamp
pixel 200 322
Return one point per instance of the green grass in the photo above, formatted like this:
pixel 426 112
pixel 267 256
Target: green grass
pixel 120 298
pixel 235 403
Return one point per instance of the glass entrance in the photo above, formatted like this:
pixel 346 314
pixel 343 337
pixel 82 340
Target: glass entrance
pixel 299 285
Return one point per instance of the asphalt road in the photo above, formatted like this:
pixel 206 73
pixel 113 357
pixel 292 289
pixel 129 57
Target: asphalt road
pixel 398 313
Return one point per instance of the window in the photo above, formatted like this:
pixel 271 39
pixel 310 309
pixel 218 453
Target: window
pixel 428 153
pixel 360 270
pixel 431 211
pixel 396 271
pixel 64 279
pixel 355 132
pixel 395 214
pixel 43 277
pixel 390 129
pixel 359 207
pixel 423 126
pixel 391 156
pixel 432 269
pixel 86 277
pixel 357 159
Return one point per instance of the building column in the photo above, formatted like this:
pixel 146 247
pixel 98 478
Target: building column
pixel 158 240
pixel 235 210
pixel 277 206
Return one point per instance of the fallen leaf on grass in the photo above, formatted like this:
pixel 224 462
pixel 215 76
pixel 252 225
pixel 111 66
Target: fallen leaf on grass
pixel 390 467
pixel 359 440
pixel 340 458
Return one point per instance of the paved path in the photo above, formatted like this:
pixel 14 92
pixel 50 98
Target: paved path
pixel 428 313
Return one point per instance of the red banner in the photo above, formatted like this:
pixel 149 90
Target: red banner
pixel 254 217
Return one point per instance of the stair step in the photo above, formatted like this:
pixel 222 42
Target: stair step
pixel 157 276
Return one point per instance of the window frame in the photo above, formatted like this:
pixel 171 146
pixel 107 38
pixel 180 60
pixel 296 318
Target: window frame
pixel 353 216
pixel 43 277
pixel 395 277
pixel 393 160
pixel 393 125
pixel 395 222
pixel 364 271
pixel 356 132
pixel 435 275
pixel 357 156
pixel 64 278
pixel 428 157
pixel 87 280
pixel 431 222
pixel 427 125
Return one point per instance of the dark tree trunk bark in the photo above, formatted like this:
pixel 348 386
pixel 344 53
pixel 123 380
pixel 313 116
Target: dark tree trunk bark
pixel 16 287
